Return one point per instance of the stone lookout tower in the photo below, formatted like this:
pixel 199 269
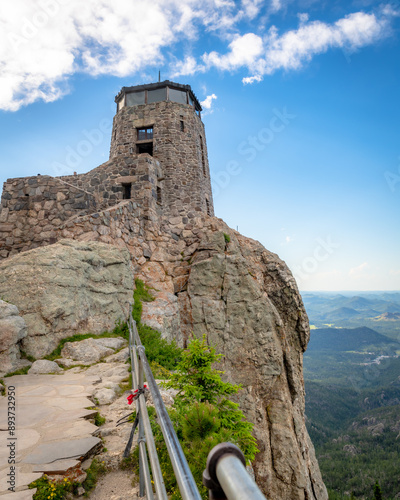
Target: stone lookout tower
pixel 163 120
pixel 158 167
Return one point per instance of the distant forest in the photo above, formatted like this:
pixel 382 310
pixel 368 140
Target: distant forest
pixel 352 380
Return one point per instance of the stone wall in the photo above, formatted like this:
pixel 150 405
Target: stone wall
pixel 106 182
pixel 36 210
pixel 32 208
pixel 179 143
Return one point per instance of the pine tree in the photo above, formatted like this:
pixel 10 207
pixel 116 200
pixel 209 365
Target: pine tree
pixel 377 492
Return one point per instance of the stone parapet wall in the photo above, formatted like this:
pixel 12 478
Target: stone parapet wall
pixel 106 181
pixel 35 210
pixel 32 208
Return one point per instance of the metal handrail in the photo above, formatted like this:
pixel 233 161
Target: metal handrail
pixel 186 482
pixel 225 476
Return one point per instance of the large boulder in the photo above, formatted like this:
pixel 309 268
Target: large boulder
pixel 66 288
pixel 42 366
pixel 12 331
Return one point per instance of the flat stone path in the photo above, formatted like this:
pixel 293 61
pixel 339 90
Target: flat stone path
pixel 52 434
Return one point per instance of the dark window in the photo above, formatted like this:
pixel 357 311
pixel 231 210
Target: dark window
pixel 203 161
pixel 182 126
pixel 146 147
pixel 177 96
pixel 157 95
pixel 127 191
pixel 159 200
pixel 144 134
pixel 135 98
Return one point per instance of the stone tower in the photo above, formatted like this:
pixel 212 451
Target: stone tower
pixel 164 120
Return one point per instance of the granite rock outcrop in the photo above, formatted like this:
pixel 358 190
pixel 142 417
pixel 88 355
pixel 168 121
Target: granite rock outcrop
pixel 66 288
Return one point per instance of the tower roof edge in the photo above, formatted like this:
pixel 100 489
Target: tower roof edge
pixel 157 85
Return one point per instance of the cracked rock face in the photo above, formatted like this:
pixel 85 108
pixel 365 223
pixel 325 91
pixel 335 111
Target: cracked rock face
pixel 246 301
pixel 66 288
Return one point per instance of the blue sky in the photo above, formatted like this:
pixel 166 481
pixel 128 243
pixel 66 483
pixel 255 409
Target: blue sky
pixel 301 110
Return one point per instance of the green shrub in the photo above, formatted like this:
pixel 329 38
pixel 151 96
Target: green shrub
pixel 96 469
pixel 21 371
pixel 99 420
pixel 141 294
pixel 159 350
pixel 195 378
pixel 52 490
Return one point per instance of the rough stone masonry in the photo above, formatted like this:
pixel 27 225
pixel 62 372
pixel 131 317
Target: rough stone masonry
pixel 152 201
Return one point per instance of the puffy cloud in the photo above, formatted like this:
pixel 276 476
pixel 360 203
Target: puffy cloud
pixel 188 66
pixel 244 51
pixel 207 103
pixel 294 48
pixel 251 79
pixel 44 42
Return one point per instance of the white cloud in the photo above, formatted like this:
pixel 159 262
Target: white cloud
pixel 44 42
pixel 244 51
pixel 188 66
pixel 276 5
pixel 207 103
pixel 294 48
pixel 288 240
pixel 251 8
pixel 251 79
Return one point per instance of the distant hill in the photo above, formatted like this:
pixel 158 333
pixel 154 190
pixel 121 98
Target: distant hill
pixel 344 313
pixel 351 311
pixel 346 339
pixel 359 303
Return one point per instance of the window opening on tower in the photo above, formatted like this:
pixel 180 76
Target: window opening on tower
pixel 127 191
pixel 203 161
pixel 145 134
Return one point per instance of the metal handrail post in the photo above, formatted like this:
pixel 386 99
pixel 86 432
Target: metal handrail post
pixel 226 476
pixel 144 464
